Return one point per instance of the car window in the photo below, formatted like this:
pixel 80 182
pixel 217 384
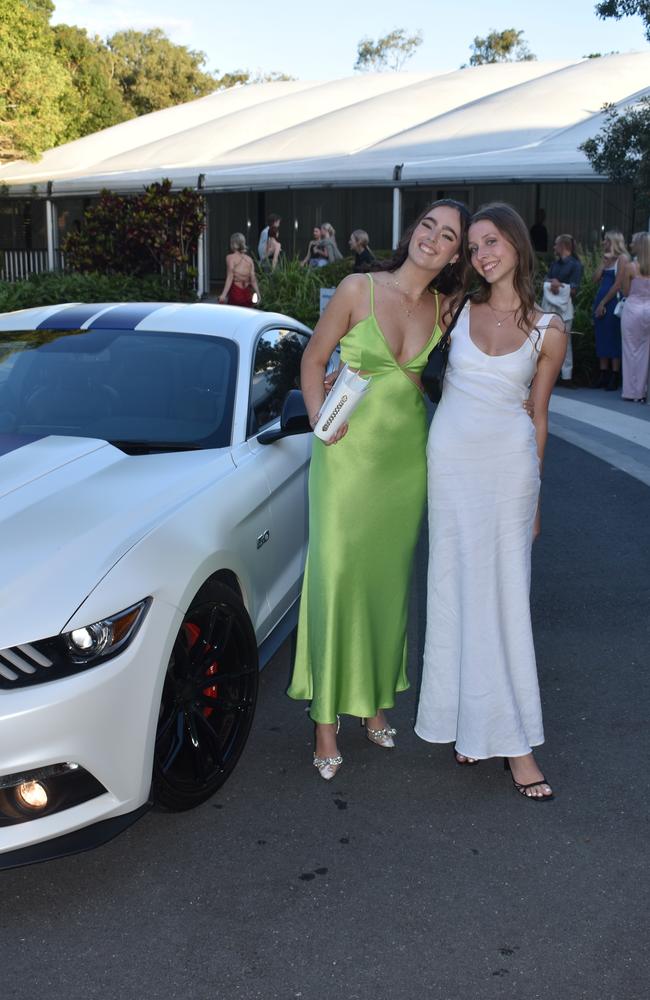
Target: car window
pixel 156 391
pixel 276 370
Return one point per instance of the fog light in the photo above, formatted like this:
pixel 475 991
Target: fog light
pixel 32 795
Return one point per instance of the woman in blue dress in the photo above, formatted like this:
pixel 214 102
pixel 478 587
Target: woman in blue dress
pixel 607 326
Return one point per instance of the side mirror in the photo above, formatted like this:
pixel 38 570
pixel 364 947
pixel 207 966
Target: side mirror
pixel 293 419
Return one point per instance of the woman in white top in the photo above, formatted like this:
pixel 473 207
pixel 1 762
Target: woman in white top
pixel 479 685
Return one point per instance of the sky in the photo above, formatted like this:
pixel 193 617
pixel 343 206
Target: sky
pixel 318 40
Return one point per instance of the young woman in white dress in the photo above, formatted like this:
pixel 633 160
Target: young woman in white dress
pixel 479 684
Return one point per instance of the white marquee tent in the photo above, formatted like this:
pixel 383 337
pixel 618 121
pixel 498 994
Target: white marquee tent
pixel 353 150
pixel 521 120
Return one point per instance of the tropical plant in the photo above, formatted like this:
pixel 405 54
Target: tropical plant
pixel 155 232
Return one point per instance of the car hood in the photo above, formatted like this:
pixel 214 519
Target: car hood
pixel 70 508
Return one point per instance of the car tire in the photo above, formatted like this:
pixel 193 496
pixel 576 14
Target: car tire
pixel 208 699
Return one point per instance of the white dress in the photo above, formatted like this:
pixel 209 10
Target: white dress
pixel 479 682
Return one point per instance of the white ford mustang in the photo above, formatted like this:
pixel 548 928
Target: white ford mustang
pixel 153 531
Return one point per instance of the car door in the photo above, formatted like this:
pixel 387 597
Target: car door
pixel 276 370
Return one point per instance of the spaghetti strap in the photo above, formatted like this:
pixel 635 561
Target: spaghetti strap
pixel 372 295
pixel 435 292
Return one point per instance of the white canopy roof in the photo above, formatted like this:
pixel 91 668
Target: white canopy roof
pixel 521 120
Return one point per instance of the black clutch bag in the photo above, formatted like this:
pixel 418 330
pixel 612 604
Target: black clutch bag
pixel 433 373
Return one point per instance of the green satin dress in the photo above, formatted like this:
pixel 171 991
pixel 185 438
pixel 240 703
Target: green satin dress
pixel 366 499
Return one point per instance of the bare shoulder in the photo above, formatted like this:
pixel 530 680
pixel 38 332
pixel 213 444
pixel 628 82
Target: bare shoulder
pixel 555 323
pixel 352 286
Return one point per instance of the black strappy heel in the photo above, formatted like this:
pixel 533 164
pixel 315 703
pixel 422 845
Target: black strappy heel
pixel 522 788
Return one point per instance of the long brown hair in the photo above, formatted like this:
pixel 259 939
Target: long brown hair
pixel 513 229
pixel 450 280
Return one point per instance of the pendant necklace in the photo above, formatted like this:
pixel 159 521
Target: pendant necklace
pixel 406 301
pixel 509 312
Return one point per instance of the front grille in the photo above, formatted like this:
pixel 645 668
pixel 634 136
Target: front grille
pixel 21 664
pixel 37 663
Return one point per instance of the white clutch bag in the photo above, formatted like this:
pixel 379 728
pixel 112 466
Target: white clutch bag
pixel 342 400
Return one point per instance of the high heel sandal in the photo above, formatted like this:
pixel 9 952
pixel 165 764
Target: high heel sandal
pixel 327 767
pixel 467 762
pixel 531 784
pixel 382 737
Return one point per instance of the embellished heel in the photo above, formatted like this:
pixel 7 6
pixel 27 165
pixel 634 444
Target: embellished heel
pixel 381 737
pixel 327 767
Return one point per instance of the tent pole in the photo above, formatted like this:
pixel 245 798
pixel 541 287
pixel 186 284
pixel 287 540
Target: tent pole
pixel 397 205
pixel 201 248
pixel 50 226
pixel 397 215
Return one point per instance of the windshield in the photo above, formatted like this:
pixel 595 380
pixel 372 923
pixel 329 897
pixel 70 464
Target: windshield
pixel 151 390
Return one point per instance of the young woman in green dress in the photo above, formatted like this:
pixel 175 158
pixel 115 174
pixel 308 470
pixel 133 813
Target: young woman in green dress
pixel 367 485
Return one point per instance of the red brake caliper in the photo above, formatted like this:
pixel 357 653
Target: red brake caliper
pixel 193 632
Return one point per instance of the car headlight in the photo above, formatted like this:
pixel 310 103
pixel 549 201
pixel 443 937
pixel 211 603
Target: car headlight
pixel 104 638
pixel 70 652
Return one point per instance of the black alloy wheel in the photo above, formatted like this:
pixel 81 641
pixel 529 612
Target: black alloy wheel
pixel 208 699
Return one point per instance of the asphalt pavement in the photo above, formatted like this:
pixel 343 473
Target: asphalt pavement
pixel 406 877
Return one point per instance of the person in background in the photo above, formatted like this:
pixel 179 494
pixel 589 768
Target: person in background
pixel 607 325
pixel 272 248
pixel 241 281
pixel 358 244
pixel 273 220
pixel 560 289
pixel 635 321
pixel 326 247
pixel 539 232
pixel 311 258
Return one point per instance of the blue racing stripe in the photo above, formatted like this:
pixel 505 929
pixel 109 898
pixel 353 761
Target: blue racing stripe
pixel 127 316
pixel 72 318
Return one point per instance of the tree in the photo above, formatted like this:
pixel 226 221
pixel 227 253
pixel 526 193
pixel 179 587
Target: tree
pixel 626 8
pixel 621 150
pixel 94 101
pixel 500 46
pixel 389 52
pixel 33 84
pixel 241 77
pixel 153 73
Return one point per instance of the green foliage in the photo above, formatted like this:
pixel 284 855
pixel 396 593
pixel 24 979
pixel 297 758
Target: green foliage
pixel 626 8
pixel 54 288
pixel 241 77
pixel 33 84
pixel 58 84
pixel 291 289
pixel 295 290
pixel 389 52
pixel 500 46
pixel 621 150
pixel 150 233
pixel 154 73
pixel 94 100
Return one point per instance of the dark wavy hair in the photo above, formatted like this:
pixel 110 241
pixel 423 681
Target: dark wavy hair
pixel 514 230
pixel 451 279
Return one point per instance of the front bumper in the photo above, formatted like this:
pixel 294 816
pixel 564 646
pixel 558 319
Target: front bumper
pixel 104 720
pixel 84 839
